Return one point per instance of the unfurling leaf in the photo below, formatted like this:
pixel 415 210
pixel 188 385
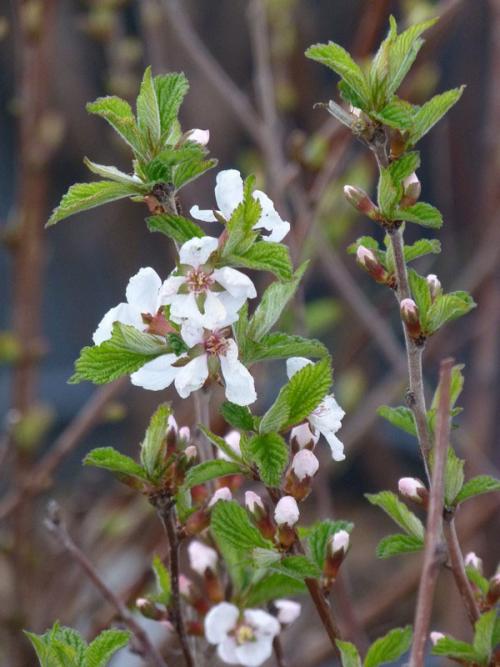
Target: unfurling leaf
pixel 212 469
pixel 153 446
pixel 176 227
pixel 390 647
pixel 394 545
pixel 398 511
pixel 270 452
pixel 421 213
pixel 432 112
pixel 400 417
pixel 110 459
pixel 477 486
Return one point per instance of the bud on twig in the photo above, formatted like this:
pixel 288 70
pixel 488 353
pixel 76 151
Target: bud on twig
pixel 224 493
pixel 203 560
pixel 201 137
pixel 414 489
pixel 410 316
pixel 302 437
pixel 336 550
pixel 260 513
pixel 361 201
pixel 299 476
pixel 149 609
pixel 288 611
pixel 411 191
pixel 471 560
pixel 434 286
pixel 435 637
pixel 367 260
pixel 286 515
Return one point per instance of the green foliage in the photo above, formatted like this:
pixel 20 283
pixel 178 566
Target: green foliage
pixel 176 227
pixel 212 469
pixel 400 417
pixel 272 586
pixel 231 525
pixel 125 352
pixel 477 579
pixel 264 256
pixel 297 399
pixel 298 567
pixel 319 534
pixel 239 228
pixel 421 213
pixel 420 248
pixel 153 452
pixel 389 193
pixel 170 92
pixel 398 511
pixel 118 113
pixel 279 345
pixel 475 487
pixel 64 647
pixel 394 545
pixel 270 452
pixel 396 113
pixel 237 416
pixel 404 166
pixel 454 649
pixel 486 638
pixel 453 477
pixel 432 112
pixel 390 647
pixel 448 307
pixel 163 582
pixel 220 443
pixel 348 654
pixel 110 459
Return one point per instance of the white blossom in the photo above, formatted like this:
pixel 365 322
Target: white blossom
pixel 288 611
pixel 201 137
pixel 229 194
pixel 305 464
pixel 238 381
pixel 224 493
pixel 327 417
pixel 339 541
pixel 252 501
pixel 202 557
pixel 202 295
pixel 242 638
pixel 286 512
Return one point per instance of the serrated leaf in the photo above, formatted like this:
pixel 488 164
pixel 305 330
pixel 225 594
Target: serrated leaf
pixel 176 227
pixel 190 169
pixel 265 256
pixel 231 524
pixel 431 113
pixel 125 352
pixel 220 443
pixel 398 512
pixel 396 114
pixel 85 196
pixel 339 60
pixel 170 91
pixel 163 582
pixel 476 578
pixel 421 294
pixel 273 586
pixel 452 648
pixel 153 445
pixel 348 654
pixel 114 174
pixel 483 636
pixel 403 51
pixel 279 345
pixel 390 647
pixel 47 654
pixel 237 416
pixel 388 193
pixel 297 399
pixel 367 241
pixel 448 307
pixel 404 166
pixel 477 486
pixel 400 417
pixel 239 228
pixel 118 113
pixel 394 545
pixel 212 469
pixel 270 452
pixel 102 649
pixel 453 476
pixel 422 214
pixel 272 304
pixel 299 567
pixel 420 248
pixel 320 533
pixel 110 459
pixel 148 112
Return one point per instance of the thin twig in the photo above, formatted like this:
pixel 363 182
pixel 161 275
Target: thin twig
pixel 433 549
pixel 56 525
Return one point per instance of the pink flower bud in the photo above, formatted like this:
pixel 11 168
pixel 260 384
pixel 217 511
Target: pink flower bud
pixel 224 493
pixel 288 611
pixel 172 424
pixel 336 549
pixel 410 316
pixel 471 560
pixel 286 512
pixel 149 609
pixel 360 200
pixel 302 437
pixel 414 489
pixel 435 637
pixel 253 502
pixel 191 453
pixel 434 285
pixel 185 434
pixel 339 542
pixel 185 586
pixel 202 557
pixel 412 190
pixel 367 259
pixel 305 464
pixel 494 590
pixel 201 137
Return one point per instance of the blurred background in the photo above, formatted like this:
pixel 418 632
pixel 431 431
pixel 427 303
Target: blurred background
pixel 55 55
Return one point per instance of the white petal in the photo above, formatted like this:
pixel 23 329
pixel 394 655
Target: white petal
pixel 286 511
pixel 196 251
pixel 142 290
pixel 235 282
pixel 240 387
pixel 219 621
pixel 253 654
pixel 328 415
pixel 304 435
pixel 169 288
pixel 184 307
pixel 295 364
pixel 262 622
pixel 228 191
pixel 335 445
pixel 201 137
pixel 270 219
pixel 156 374
pixel 192 376
pixel 192 334
pixel 232 306
pixel 288 611
pixel 214 312
pixel 206 215
pixel 124 313
pixel 202 557
pixel 226 651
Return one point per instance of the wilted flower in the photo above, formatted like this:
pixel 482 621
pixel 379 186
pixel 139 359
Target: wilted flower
pixel 229 195
pixel 242 638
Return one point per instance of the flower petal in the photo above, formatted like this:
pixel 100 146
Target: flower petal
pixel 262 622
pixel 235 282
pixel 270 219
pixel 335 445
pixel 214 314
pixel 295 364
pixel 201 137
pixel 232 306
pixel 254 653
pixel 226 651
pixel 228 191
pixel 192 334
pixel 206 215
pixel 142 290
pixel 124 313
pixel 192 376
pixel 156 374
pixel 170 287
pixel 219 621
pixel 184 307
pixel 240 386
pixel 196 251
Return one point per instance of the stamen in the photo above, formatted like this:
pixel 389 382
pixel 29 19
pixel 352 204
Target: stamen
pixel 198 281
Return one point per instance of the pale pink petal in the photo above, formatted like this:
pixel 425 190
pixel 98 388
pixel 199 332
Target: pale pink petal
pixel 169 288
pixel 240 386
pixel 235 282
pixel 270 219
pixel 192 334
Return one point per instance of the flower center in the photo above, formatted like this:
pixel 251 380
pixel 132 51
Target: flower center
pixel 244 634
pixel 215 344
pixel 198 281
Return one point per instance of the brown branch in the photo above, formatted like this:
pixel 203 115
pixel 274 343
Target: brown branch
pixel 433 548
pixel 56 525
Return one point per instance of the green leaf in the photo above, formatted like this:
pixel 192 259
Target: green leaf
pixel 110 459
pixel 453 476
pixel 265 256
pixel 102 649
pixel 422 214
pixel 421 294
pixel 170 91
pixel 431 112
pixel 404 166
pixel 281 346
pixel 241 223
pixel 420 248
pixel 477 486
pixel 212 469
pixel 163 582
pixel 390 647
pixel 367 241
pixel 176 227
pixel 394 545
pixel 231 524
pixel 400 417
pixel 270 452
pixel 237 416
pixel 115 174
pixel 403 51
pixel 388 193
pixel 125 352
pixel 220 443
pixel 338 59
pixel 448 307
pixel 454 649
pixel 398 511
pixel 397 114
pixel 297 399
pixel 273 586
pixel 476 578
pixel 320 533
pixel 148 112
pixel 272 304
pixel 190 169
pixel 348 654
pixel 483 636
pixel 119 115
pixel 299 567
pixel 153 445
pixel 85 196
pixel 456 386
